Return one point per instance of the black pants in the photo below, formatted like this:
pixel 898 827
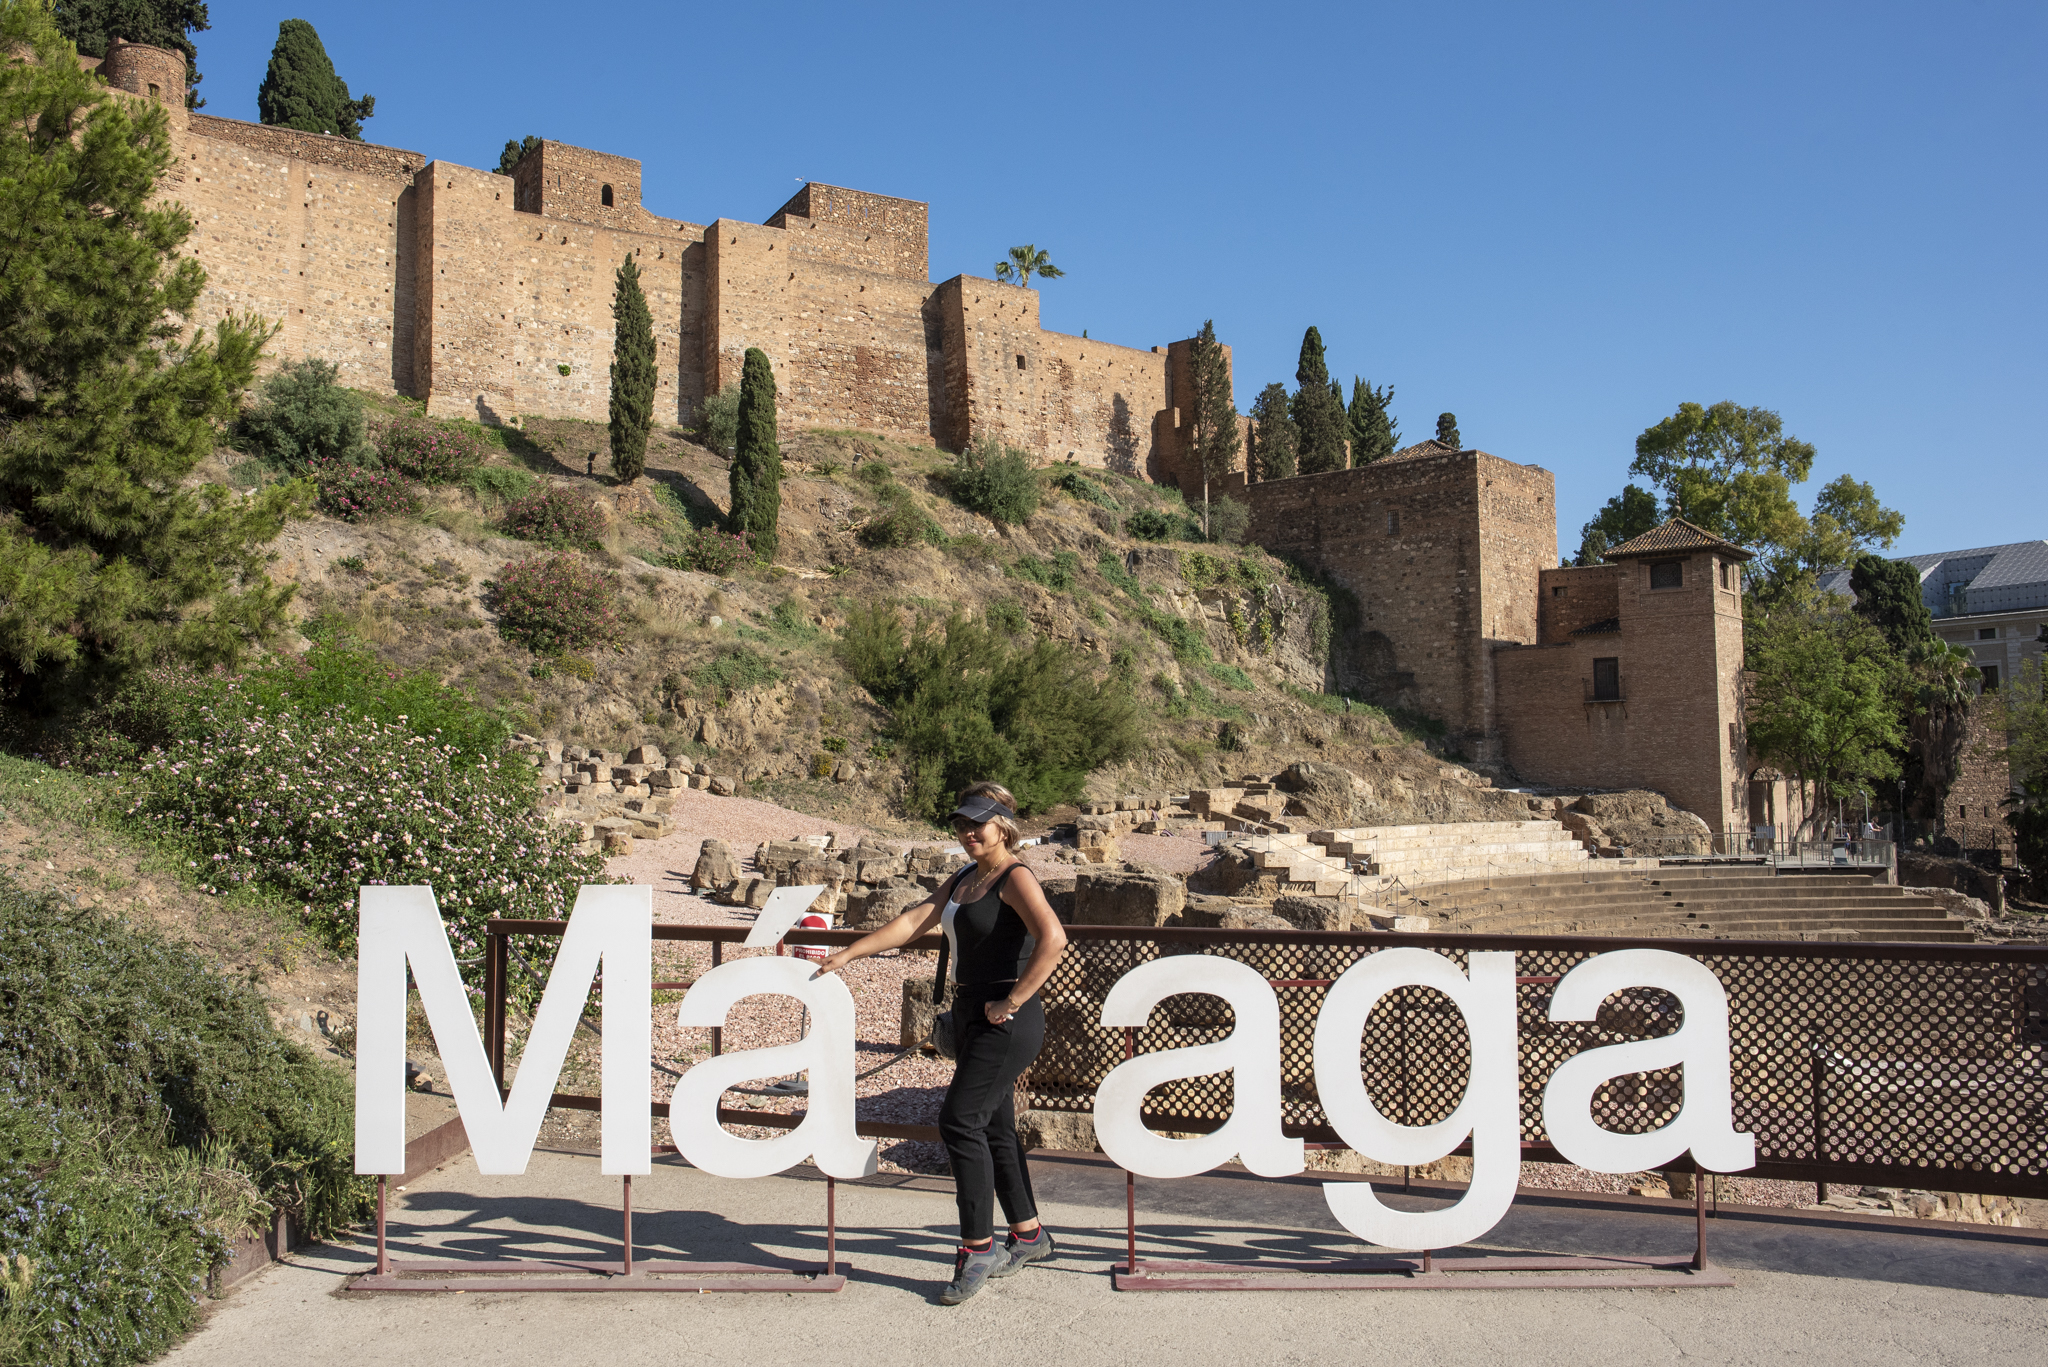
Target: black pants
pixel 978 1119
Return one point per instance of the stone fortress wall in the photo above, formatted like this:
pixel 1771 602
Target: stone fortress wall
pixel 490 296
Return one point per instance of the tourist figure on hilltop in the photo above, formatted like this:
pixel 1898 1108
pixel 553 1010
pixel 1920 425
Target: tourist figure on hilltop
pixel 1002 941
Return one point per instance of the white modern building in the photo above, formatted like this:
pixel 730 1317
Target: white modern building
pixel 1992 601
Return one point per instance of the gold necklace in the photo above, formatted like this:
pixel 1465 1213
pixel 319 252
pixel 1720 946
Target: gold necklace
pixel 989 878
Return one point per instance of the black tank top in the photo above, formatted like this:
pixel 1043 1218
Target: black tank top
pixel 989 941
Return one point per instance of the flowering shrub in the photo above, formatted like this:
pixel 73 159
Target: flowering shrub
pixel 554 603
pixel 431 452
pixel 554 516
pixel 355 493
pixel 309 810
pixel 710 551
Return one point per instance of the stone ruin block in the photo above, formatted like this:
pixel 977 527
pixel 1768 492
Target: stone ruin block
pixel 1120 897
pixel 715 869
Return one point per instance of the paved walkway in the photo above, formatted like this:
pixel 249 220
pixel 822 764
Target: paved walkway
pixel 1815 1288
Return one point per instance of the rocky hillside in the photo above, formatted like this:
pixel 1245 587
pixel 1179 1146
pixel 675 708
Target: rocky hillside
pixel 1228 650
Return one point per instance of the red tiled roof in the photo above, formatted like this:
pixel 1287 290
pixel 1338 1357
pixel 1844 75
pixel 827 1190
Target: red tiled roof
pixel 1676 535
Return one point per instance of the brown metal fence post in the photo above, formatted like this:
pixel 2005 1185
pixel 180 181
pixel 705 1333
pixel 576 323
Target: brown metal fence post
pixel 1699 1217
pixel 1820 1101
pixel 1130 1185
pixel 717 1032
pixel 383 1258
pixel 831 1225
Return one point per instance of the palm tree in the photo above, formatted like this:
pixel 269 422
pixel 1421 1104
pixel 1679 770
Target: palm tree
pixel 1025 262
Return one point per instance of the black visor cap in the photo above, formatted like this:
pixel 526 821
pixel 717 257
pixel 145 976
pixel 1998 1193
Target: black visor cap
pixel 980 809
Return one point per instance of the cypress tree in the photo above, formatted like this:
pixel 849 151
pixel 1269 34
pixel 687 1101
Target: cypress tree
pixel 1215 438
pixel 110 560
pixel 1447 431
pixel 1317 410
pixel 632 374
pixel 1274 440
pixel 756 479
pixel 1373 433
pixel 515 152
pixel 301 90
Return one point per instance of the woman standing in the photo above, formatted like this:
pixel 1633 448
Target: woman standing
pixel 1002 941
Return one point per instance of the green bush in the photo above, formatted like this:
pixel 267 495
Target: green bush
pixel 708 550
pixel 431 452
pixel 876 474
pixel 356 493
pixel 901 522
pixel 1231 675
pixel 554 516
pixel 966 704
pixel 1149 524
pixel 302 417
pixel 1079 486
pixel 1058 574
pixel 499 484
pixel 996 481
pixel 150 1115
pixel 1006 615
pixel 1230 522
pixel 734 670
pixel 718 421
pixel 309 809
pixel 554 603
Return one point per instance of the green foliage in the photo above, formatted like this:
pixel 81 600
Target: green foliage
pixel 633 374
pixel 418 447
pixel 308 809
pixel 107 403
pixel 1213 432
pixel 93 24
pixel 554 516
pixel 302 416
pixel 756 476
pixel 499 484
pixel 1821 702
pixel 1059 574
pixel 1275 440
pixel 1447 431
pixel 1624 517
pixel 301 90
pixel 901 522
pixel 707 550
pixel 719 420
pixel 1181 636
pixel 1081 487
pixel 966 704
pixel 996 481
pixel 1318 410
pixel 792 618
pixel 554 603
pixel 1374 434
pixel 2019 712
pixel 1232 676
pixel 1888 597
pixel 1230 521
pixel 343 677
pixel 735 670
pixel 150 1114
pixel 1006 615
pixel 2028 820
pixel 515 152
pixel 1025 262
pixel 1149 524
pixel 356 493
pixel 876 474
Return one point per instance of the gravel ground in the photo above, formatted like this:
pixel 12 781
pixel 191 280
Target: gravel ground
pixel 907 1093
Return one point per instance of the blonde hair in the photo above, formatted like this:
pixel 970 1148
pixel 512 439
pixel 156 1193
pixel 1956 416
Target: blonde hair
pixel 1012 834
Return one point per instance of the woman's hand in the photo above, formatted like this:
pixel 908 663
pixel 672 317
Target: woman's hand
pixel 998 1011
pixel 836 962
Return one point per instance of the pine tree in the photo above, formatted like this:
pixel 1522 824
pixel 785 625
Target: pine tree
pixel 756 478
pixel 1317 411
pixel 1447 431
pixel 515 152
pixel 632 374
pixel 1374 435
pixel 1274 440
pixel 1214 436
pixel 109 559
pixel 94 24
pixel 302 91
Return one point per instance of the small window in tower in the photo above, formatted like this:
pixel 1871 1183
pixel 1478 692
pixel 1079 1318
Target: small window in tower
pixel 1667 574
pixel 1557 590
pixel 153 92
pixel 1607 680
pixel 1393 523
pixel 1020 362
pixel 606 196
pixel 1987 633
pixel 1727 575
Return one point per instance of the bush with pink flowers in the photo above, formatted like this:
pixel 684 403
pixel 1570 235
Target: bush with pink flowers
pixel 554 603
pixel 418 447
pixel 554 516
pixel 356 493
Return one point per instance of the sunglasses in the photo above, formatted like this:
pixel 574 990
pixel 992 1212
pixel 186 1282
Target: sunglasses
pixel 962 826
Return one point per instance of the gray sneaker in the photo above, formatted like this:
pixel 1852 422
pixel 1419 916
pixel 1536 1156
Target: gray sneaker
pixel 971 1269
pixel 1017 1252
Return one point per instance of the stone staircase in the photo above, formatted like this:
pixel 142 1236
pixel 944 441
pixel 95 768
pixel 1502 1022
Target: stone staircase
pixel 1304 868
pixel 1711 901
pixel 1389 860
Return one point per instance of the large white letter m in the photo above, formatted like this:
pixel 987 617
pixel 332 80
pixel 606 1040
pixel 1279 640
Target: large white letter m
pixel 403 925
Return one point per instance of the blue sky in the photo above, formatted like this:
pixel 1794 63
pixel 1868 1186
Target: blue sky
pixel 1559 221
